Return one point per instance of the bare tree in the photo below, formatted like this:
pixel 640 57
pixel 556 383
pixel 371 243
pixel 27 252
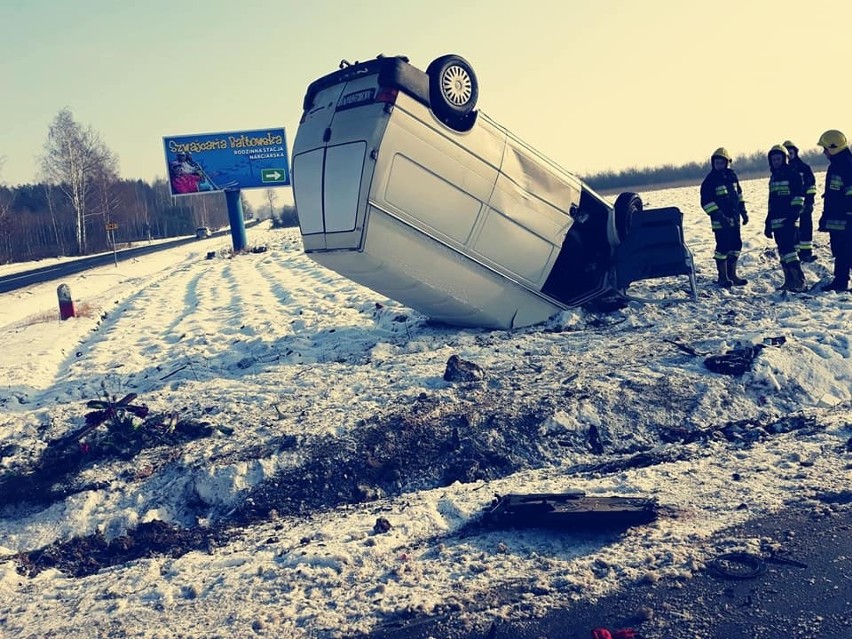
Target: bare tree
pixel 74 156
pixel 106 196
pixel 271 199
pixel 248 209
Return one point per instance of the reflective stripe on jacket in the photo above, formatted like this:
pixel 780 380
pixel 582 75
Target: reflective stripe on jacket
pixel 786 197
pixel 837 199
pixel 808 179
pixel 722 198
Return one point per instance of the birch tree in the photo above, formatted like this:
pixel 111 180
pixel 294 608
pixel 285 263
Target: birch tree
pixel 74 158
pixel 271 199
pixel 106 195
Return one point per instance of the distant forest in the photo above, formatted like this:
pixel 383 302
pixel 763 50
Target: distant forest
pixel 634 179
pixel 81 206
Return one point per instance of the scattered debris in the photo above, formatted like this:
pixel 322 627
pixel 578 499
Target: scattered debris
pixel 737 565
pixel 595 440
pixel 686 348
pixel 459 370
pixel 381 526
pixel 84 556
pixel 246 362
pixel 570 510
pixel 118 413
pixel 746 565
pixel 174 372
pixel 129 430
pixel 736 362
pixel 623 633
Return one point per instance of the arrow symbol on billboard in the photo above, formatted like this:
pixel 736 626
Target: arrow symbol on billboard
pixel 275 175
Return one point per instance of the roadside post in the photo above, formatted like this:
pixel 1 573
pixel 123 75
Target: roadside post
pixel 228 162
pixel 66 303
pixel 110 228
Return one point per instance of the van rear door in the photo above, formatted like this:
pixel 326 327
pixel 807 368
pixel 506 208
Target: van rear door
pixel 333 158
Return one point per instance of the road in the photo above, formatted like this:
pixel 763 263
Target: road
pixel 56 271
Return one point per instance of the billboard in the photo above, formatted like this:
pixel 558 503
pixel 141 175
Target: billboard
pixel 213 162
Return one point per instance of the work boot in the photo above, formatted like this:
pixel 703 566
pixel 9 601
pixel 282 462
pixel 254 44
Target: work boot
pixel 732 271
pixel 807 255
pixel 788 278
pixel 841 278
pixel 797 285
pixel 722 267
pixel 836 285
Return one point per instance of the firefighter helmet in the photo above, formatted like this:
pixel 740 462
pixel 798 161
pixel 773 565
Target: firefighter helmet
pixel 789 145
pixel 833 141
pixel 778 148
pixel 721 152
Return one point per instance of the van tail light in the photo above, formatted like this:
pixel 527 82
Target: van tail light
pixel 388 96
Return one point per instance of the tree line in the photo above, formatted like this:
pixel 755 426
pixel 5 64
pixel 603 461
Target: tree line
pixel 81 205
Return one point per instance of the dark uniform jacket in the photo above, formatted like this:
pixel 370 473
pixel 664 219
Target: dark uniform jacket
pixel 786 197
pixel 722 198
pixel 808 180
pixel 837 204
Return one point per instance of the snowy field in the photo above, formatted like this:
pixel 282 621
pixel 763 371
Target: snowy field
pixel 318 406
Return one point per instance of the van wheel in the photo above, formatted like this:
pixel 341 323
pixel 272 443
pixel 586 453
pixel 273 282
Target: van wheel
pixel 453 88
pixel 626 205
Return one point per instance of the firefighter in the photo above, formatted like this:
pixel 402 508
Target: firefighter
pixel 836 216
pixel 722 200
pixel 805 245
pixel 786 199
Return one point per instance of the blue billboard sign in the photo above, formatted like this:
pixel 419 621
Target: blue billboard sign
pixel 213 162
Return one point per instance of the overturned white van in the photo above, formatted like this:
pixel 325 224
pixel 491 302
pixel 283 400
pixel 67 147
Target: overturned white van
pixel 402 186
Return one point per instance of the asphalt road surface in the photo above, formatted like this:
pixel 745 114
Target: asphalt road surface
pixel 63 269
pixel 802 591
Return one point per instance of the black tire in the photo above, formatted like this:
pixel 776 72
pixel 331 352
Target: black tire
pixel 453 89
pixel 626 205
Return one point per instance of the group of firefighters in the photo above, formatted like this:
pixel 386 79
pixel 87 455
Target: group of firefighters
pixel 792 190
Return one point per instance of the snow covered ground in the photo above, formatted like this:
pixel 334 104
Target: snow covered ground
pixel 326 410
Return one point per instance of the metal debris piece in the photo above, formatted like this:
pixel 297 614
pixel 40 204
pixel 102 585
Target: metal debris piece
pixel 570 510
pixel 737 565
pixel 735 363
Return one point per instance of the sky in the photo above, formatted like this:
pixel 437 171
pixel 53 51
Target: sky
pixel 278 349
pixel 595 85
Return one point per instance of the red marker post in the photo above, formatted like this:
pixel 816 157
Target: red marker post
pixel 66 304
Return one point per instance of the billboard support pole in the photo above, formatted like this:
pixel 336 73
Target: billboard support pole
pixel 235 218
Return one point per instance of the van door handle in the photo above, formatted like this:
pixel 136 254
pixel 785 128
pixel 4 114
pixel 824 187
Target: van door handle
pixel 326 135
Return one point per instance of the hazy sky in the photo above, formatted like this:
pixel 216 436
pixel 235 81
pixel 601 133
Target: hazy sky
pixel 594 84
